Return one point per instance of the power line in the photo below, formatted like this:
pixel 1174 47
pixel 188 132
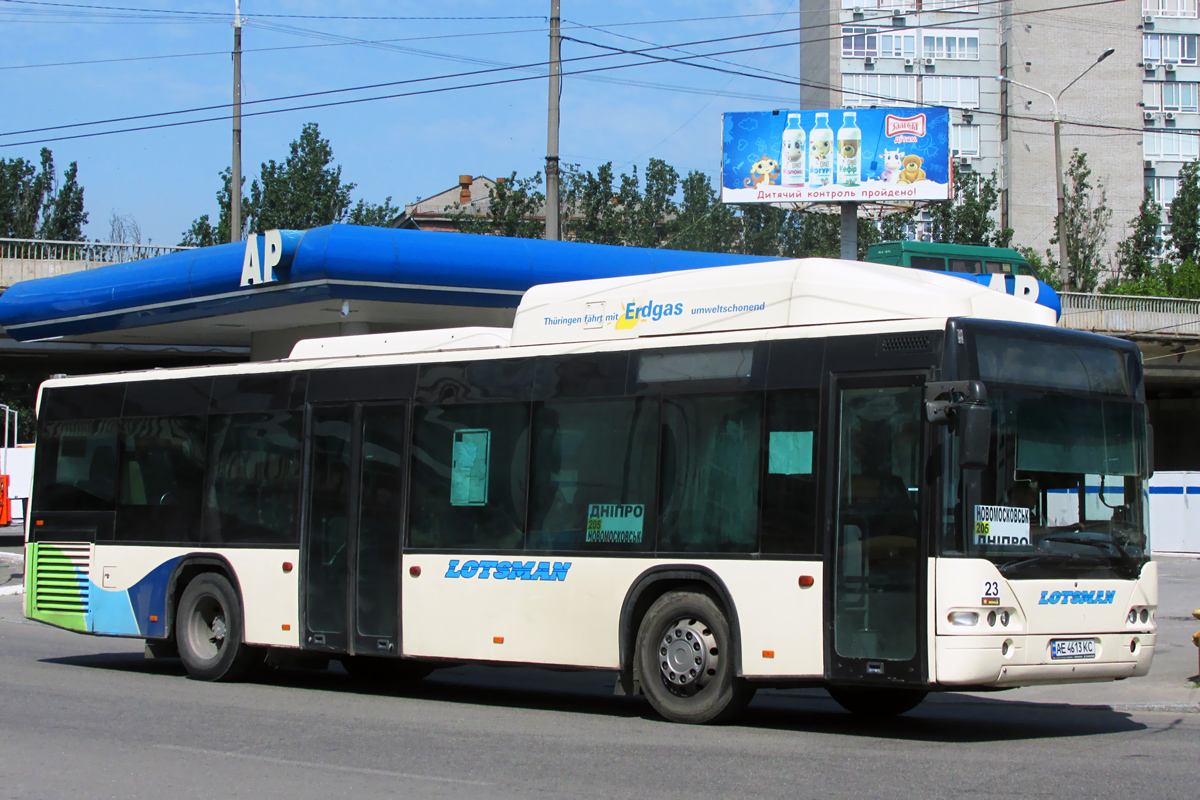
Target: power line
pixel 220 15
pixel 502 82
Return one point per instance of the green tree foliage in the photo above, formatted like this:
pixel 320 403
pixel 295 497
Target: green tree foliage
pixel 378 216
pixel 1139 252
pixel 1087 219
pixel 35 205
pixel 702 223
pixel 514 209
pixel 305 191
pixel 970 217
pixel 203 233
pixel 1185 213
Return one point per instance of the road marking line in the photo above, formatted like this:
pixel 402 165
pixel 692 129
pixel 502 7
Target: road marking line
pixel 287 762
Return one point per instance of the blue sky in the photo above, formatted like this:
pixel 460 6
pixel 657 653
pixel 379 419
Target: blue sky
pixel 406 147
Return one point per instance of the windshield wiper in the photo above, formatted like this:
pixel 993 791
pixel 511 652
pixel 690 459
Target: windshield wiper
pixel 1104 544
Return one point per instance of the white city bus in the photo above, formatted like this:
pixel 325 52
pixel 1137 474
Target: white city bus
pixel 799 473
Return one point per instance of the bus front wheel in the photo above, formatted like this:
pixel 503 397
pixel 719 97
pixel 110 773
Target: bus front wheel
pixel 686 659
pixel 209 630
pixel 871 702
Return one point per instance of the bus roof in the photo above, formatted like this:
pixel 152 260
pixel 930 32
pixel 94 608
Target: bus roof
pixel 941 249
pixel 812 291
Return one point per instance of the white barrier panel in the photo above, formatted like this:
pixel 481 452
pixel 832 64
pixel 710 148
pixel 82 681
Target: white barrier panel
pixel 1175 512
pixel 18 461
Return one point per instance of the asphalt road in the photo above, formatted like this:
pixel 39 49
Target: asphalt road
pixel 88 717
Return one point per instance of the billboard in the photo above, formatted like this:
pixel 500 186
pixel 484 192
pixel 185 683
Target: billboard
pixel 836 156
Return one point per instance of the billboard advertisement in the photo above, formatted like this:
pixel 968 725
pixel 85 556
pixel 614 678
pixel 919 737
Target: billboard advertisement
pixel 836 156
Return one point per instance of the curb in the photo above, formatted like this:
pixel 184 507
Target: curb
pixel 13 558
pixel 7 590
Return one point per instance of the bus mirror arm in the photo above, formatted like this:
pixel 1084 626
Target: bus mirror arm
pixel 963 403
pixel 942 398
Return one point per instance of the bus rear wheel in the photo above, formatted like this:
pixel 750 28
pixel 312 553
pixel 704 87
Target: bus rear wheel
pixel 876 703
pixel 209 630
pixel 686 659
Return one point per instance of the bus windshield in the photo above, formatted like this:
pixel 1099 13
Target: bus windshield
pixel 1063 494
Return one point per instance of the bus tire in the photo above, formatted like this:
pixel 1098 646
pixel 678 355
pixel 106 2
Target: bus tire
pixel 687 661
pixel 876 703
pixel 376 671
pixel 210 632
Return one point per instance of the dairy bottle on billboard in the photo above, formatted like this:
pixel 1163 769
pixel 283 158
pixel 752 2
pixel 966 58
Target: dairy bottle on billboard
pixel 793 152
pixel 849 155
pixel 820 152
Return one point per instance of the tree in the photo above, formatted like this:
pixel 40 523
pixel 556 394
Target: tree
pixel 378 216
pixel 513 208
pixel 592 211
pixel 702 222
pixel 1185 213
pixel 647 212
pixel 1086 225
pixel 124 229
pixel 305 191
pixel 969 217
pixel 203 233
pixel 34 205
pixel 1138 253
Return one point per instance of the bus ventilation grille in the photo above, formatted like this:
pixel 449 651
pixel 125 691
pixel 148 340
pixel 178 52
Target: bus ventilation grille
pixel 62 577
pixel 912 343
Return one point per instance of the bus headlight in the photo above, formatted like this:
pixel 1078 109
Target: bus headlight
pixel 963 619
pixel 1133 616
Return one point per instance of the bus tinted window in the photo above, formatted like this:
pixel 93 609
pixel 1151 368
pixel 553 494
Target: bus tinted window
pixel 254 481
pixel 928 262
pixel 99 401
pixel 161 473
pixel 789 503
pixel 711 457
pixel 168 398
pixel 963 265
pixel 593 475
pixel 468 476
pixel 1052 365
pixel 76 466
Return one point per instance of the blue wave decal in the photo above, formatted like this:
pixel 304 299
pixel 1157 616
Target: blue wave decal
pixel 127 612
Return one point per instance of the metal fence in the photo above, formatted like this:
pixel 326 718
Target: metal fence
pixel 1122 314
pixel 95 252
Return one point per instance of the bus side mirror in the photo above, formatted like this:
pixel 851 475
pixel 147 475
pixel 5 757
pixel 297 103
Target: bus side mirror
pixel 974 423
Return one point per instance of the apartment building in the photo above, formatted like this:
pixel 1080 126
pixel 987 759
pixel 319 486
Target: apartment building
pixel 1169 92
pixel 863 53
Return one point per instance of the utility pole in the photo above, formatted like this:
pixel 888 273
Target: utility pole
pixel 235 183
pixel 552 204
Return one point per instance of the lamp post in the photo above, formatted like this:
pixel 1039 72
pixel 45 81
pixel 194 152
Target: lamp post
pixel 1064 271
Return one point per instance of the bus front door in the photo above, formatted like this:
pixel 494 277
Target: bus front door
pixel 875 571
pixel 354 497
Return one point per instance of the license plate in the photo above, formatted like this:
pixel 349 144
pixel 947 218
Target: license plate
pixel 1072 648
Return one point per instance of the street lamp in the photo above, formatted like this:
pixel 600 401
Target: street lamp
pixel 1064 272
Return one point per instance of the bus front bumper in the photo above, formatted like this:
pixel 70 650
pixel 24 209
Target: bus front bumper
pixel 1026 659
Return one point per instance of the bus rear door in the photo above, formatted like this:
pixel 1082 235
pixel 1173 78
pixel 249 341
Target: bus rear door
pixel 354 504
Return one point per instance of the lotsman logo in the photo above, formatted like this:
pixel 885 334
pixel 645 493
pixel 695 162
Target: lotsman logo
pixel 895 126
pixel 509 570
pixel 1100 597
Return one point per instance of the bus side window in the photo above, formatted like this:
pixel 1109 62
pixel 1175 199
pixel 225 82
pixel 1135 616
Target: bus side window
pixel 964 265
pixel 997 268
pixel 789 503
pixel 76 466
pixel 592 481
pixel 162 471
pixel 468 476
pixel 251 492
pixel 712 450
pixel 935 263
